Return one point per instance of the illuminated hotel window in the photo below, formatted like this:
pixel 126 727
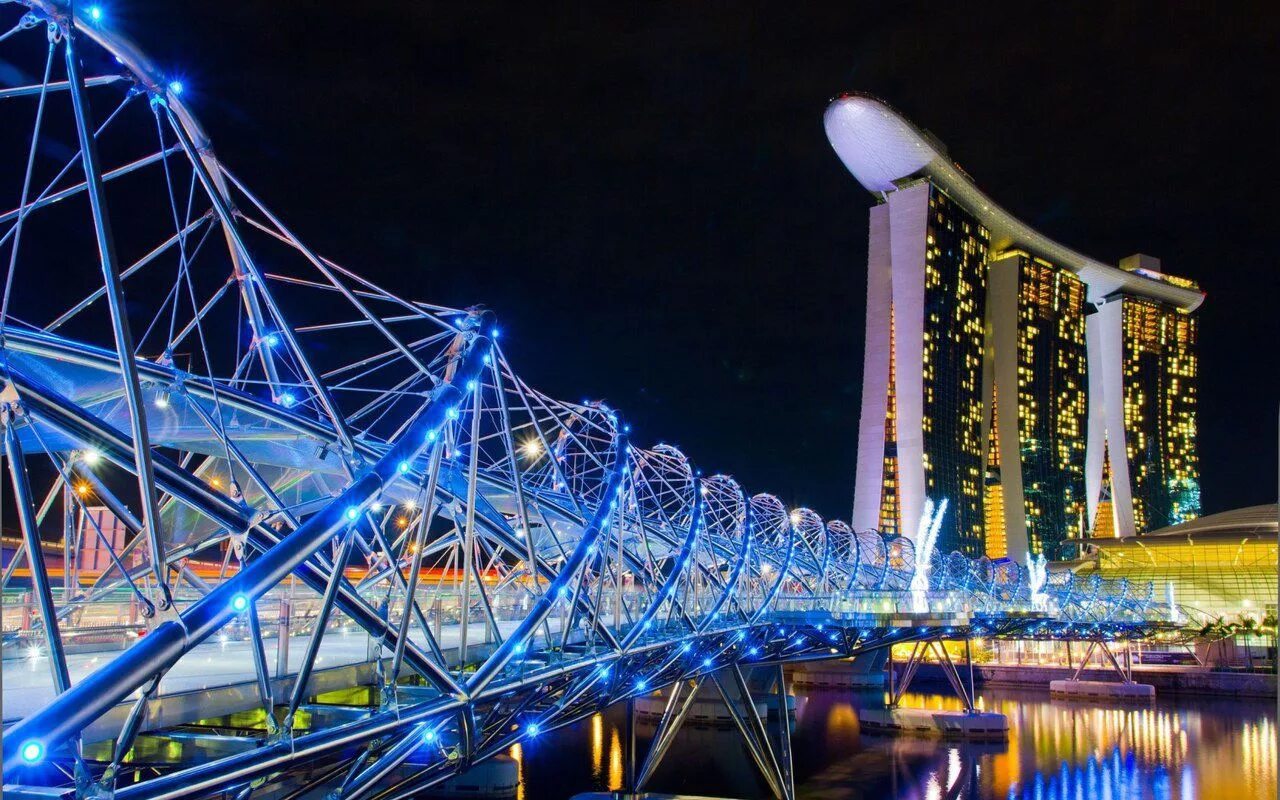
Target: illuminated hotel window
pixel 955 294
pixel 1160 413
pixel 890 507
pixel 1052 401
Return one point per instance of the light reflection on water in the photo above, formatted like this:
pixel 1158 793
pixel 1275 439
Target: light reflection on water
pixel 1177 749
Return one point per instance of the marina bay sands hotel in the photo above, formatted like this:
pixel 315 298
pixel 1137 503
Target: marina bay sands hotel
pixel 1046 395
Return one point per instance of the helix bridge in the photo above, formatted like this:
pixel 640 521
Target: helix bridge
pixel 345 515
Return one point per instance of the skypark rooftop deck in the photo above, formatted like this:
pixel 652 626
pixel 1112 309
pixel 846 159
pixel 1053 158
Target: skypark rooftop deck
pixel 883 149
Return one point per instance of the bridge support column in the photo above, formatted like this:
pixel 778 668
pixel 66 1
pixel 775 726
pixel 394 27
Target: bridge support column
pixel 968 723
pixel 772 759
pixel 784 733
pixel 754 733
pixel 629 776
pixel 1126 689
pixel 672 718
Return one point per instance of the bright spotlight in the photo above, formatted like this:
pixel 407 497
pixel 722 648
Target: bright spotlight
pixel 32 752
pixel 176 87
pixel 531 447
pixel 92 456
pixel 95 13
pixel 239 603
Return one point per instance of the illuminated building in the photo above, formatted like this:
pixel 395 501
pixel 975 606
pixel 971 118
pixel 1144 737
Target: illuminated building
pixel 1039 366
pixel 926 285
pixel 1220 565
pixel 1035 364
pixel 1143 349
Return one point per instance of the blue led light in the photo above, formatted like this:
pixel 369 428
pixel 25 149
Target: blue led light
pixel 95 13
pixel 431 436
pixel 176 87
pixel 404 467
pixel 271 340
pixel 533 729
pixel 684 648
pixel 471 386
pixel 288 399
pixel 352 512
pixel 706 662
pixel 755 651
pixel 494 333
pixel 32 752
pixel 429 736
pixel 452 413
pixel 642 685
pixel 239 603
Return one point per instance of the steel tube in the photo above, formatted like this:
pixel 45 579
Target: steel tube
pixel 75 709
pixel 119 316
pixel 39 572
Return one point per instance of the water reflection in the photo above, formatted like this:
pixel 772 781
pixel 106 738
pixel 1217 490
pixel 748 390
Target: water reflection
pixel 1176 749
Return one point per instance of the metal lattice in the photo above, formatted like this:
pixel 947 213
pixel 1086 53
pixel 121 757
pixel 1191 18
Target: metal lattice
pixel 266 453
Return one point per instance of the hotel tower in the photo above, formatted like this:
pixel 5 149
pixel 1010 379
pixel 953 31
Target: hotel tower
pixel 1046 395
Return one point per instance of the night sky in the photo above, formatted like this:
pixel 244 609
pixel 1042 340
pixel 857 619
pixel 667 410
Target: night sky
pixel 645 197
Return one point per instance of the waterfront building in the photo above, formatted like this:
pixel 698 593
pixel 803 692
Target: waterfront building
pixel 1217 566
pixel 1034 364
pixel 1055 394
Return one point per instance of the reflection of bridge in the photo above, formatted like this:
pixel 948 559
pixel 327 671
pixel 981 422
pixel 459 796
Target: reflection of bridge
pixel 257 407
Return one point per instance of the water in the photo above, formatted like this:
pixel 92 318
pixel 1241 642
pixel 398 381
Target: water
pixel 1175 749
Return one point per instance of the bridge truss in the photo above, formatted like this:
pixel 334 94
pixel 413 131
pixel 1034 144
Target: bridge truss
pixel 297 454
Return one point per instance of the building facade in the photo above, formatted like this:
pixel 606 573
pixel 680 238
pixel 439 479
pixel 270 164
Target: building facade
pixel 1146 466
pixel 1035 365
pixel 924 425
pixel 1047 396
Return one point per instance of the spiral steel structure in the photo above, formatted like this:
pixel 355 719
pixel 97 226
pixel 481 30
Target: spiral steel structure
pixel 265 452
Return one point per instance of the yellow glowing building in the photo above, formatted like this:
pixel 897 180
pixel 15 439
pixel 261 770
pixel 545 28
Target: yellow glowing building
pixel 968 308
pixel 1220 565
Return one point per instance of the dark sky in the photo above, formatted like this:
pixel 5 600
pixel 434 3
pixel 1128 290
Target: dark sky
pixel 645 196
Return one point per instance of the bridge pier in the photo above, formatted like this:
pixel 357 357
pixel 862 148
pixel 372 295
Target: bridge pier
pixel 970 723
pixel 1127 689
pixel 772 758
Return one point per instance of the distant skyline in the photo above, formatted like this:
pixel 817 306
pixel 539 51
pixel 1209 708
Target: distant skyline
pixel 646 199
